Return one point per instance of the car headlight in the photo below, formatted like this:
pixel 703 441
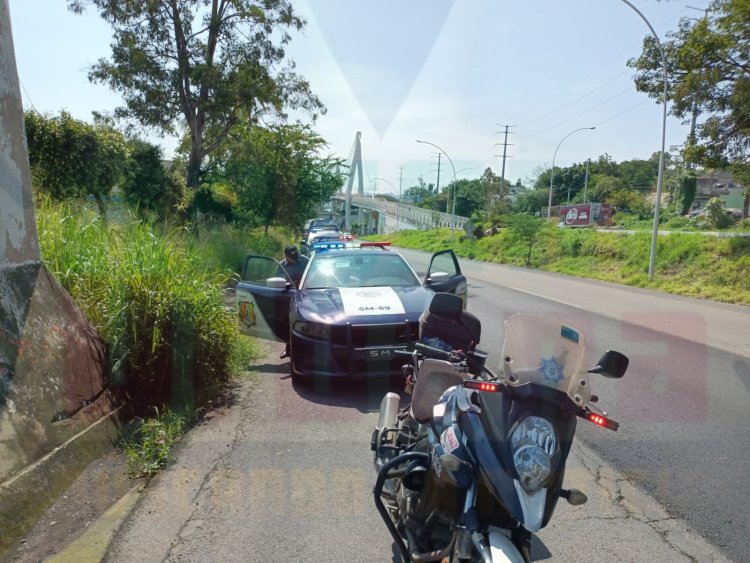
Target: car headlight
pixel 533 443
pixel 316 330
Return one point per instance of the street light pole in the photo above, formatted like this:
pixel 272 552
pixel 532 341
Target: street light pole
pixel 453 212
pixel 552 175
pixel 394 187
pixel 660 178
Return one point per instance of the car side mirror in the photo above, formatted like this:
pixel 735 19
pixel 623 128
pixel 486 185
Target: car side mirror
pixel 438 277
pixel 277 283
pixel 612 364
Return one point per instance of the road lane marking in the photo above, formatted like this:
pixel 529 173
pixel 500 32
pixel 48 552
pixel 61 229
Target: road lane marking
pixel 540 296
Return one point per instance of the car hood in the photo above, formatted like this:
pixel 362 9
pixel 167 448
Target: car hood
pixel 363 304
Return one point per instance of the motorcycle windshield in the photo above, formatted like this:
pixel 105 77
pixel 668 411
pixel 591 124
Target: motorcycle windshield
pixel 546 352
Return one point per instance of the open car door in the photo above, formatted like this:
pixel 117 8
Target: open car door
pixel 264 294
pixel 444 275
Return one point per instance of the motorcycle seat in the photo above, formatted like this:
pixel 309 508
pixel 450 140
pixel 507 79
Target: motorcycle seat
pixel 434 378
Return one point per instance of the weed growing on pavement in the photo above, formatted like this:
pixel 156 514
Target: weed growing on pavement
pixel 148 444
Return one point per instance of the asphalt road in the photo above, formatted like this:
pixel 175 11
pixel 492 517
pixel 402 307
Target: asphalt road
pixel 285 473
pixel 684 403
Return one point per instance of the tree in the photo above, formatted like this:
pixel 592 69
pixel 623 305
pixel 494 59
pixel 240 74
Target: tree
pixel 71 158
pixel 602 186
pixel 418 193
pixel 532 201
pixel 277 173
pixel 639 174
pixel 709 65
pixel 716 214
pixel 528 229
pixel 469 195
pixel 151 184
pixel 210 63
pixel 574 177
pixel 688 188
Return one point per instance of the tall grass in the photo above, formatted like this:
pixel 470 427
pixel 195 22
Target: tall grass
pixel 157 304
pixel 225 246
pixel 687 264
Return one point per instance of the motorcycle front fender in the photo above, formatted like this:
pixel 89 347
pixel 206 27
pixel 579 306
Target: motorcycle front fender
pixel 502 548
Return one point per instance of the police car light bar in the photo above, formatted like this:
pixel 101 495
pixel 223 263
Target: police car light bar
pixel 324 246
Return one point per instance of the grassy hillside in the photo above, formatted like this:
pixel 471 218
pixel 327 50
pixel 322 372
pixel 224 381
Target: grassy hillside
pixel 687 264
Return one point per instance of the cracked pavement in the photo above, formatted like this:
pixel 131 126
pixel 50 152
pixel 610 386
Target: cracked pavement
pixel 619 522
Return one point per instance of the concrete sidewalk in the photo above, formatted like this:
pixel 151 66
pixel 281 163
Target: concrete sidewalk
pixel 619 522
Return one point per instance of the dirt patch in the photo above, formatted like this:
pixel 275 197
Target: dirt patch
pixel 99 486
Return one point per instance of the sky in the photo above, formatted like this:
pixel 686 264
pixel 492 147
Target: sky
pixel 448 72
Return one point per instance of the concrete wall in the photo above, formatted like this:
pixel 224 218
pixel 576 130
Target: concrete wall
pixel 18 240
pixel 54 394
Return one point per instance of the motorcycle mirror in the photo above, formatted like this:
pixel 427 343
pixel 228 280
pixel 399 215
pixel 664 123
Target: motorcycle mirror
pixel 612 364
pixel 447 305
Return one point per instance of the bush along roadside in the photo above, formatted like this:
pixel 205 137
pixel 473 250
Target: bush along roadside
pixel 171 339
pixel 147 443
pixel 686 264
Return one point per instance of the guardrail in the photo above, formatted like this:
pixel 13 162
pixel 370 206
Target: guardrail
pixel 408 213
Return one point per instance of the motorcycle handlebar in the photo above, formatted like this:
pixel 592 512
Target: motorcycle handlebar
pixel 436 353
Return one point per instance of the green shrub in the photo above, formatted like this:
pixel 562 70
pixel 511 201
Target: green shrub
pixel 159 307
pixel 676 223
pixel 224 247
pixel 148 443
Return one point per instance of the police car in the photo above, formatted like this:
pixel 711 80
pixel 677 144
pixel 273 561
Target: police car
pixel 357 304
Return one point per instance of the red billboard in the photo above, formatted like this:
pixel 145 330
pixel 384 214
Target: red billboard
pixel 584 214
pixel 576 215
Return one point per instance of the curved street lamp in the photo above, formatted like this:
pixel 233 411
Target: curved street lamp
pixel 660 178
pixel 399 199
pixel 387 182
pixel 552 175
pixel 453 211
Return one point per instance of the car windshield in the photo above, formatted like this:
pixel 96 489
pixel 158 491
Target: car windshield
pixel 364 270
pixel 324 227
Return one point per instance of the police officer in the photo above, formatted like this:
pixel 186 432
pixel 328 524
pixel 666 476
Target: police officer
pixel 293 264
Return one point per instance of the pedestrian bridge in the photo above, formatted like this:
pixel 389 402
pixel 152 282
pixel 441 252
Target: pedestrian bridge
pixel 373 215
pixel 369 215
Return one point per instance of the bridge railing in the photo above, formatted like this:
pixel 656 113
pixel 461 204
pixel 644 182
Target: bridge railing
pixel 426 218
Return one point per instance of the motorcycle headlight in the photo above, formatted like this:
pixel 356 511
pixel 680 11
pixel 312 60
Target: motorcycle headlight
pixel 533 443
pixel 316 330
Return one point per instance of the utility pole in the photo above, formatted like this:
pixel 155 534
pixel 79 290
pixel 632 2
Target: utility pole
pixel 505 152
pixel 586 180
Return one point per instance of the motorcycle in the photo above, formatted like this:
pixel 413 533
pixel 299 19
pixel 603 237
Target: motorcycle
pixel 474 465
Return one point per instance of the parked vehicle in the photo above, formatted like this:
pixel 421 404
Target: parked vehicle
pixel 475 464
pixel 306 245
pixel 357 304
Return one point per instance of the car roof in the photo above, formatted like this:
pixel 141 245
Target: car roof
pixel 356 251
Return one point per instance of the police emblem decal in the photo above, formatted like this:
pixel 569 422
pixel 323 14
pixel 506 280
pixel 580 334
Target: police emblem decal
pixel 552 370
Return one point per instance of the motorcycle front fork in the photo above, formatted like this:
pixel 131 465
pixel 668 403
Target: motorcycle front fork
pixel 467 538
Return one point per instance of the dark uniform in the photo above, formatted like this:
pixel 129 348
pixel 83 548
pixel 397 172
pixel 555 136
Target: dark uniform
pixel 292 266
